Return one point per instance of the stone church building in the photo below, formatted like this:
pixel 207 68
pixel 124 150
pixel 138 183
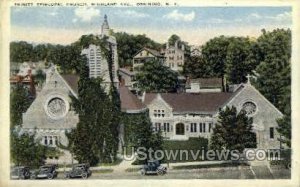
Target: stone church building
pixel 50 115
pixel 178 115
pixel 183 115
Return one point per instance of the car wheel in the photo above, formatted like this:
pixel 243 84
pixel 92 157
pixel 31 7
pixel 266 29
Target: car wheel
pixel 50 176
pixel 27 175
pixel 143 172
pixel 159 172
pixel 84 175
pixel 67 176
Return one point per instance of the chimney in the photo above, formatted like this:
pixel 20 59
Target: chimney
pixel 182 47
pixel 143 96
pixel 168 45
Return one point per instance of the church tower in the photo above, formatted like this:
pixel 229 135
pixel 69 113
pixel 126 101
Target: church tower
pixel 105 27
pixel 98 64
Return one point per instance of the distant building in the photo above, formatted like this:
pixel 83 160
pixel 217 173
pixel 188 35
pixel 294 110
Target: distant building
pixel 27 81
pixel 23 68
pixel 195 50
pixel 98 65
pixel 127 78
pixel 145 55
pixel 175 56
pixel 204 85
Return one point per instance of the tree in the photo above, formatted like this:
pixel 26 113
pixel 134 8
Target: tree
pixel 40 77
pixel 154 77
pixel 274 75
pixel 238 64
pixel 274 70
pixel 27 151
pixel 21 51
pixel 19 102
pixel 68 58
pixel 96 135
pixel 196 67
pixel 139 133
pixel 284 129
pixel 92 106
pixel 173 38
pixel 40 52
pixel 214 52
pixel 233 131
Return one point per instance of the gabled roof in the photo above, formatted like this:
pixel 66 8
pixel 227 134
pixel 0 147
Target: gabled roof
pixel 129 102
pixel 126 71
pixel 72 81
pixel 189 102
pixel 152 51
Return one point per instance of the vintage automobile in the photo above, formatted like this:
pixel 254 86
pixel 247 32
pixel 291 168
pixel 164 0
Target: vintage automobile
pixel 21 172
pixel 45 172
pixel 79 170
pixel 153 167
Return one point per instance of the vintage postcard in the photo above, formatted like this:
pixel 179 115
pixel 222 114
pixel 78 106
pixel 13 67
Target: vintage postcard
pixel 153 93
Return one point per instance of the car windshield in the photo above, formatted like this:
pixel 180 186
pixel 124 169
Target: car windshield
pixel 16 170
pixel 79 167
pixel 43 169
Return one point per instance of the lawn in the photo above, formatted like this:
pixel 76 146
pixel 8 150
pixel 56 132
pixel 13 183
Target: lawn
pixel 192 145
pixel 116 162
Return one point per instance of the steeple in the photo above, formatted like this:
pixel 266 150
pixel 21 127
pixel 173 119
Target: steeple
pixel 105 27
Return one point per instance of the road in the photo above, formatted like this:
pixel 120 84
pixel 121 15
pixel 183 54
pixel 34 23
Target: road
pixel 241 172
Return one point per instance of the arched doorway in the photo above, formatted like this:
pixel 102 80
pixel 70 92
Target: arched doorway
pixel 179 129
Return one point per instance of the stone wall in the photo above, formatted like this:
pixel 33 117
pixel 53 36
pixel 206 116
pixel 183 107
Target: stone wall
pixel 264 117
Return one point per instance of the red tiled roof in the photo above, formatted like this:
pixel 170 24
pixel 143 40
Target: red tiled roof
pixel 189 102
pixel 129 102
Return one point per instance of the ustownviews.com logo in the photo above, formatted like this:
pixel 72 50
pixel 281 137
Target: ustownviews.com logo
pixel 141 153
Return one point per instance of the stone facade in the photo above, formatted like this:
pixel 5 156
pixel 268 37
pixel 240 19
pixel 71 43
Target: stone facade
pixel 190 123
pixel 98 65
pixel 264 117
pixel 177 126
pixel 50 115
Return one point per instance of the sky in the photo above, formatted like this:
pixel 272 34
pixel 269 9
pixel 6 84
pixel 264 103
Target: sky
pixel 196 25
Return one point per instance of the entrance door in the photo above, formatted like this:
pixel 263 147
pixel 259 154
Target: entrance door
pixel 179 129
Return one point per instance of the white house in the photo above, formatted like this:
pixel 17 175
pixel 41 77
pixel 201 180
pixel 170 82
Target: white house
pixel 145 55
